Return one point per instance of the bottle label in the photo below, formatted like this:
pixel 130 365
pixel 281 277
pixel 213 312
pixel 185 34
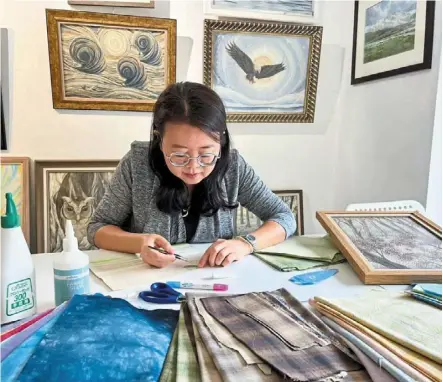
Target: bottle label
pixel 69 283
pixel 19 297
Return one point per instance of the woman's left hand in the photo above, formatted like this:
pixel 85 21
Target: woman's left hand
pixel 224 252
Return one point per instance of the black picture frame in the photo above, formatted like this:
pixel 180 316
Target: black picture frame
pixel 427 53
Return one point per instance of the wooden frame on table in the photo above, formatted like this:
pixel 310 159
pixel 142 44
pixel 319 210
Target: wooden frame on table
pixel 387 247
pixel 262 87
pixel 15 179
pixel 116 3
pixel 383 45
pixel 104 61
pixel 68 190
pixel 246 222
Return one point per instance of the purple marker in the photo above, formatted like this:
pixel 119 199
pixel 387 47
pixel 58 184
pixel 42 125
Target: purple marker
pixel 189 285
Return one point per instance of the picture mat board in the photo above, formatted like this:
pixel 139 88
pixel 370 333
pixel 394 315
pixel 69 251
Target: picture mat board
pixel 367 273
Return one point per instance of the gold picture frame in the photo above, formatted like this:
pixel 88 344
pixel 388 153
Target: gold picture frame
pixel 68 189
pixel 101 61
pixel 387 247
pixel 251 65
pixel 15 179
pixel 116 3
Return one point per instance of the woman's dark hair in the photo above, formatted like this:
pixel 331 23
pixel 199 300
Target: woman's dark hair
pixel 199 106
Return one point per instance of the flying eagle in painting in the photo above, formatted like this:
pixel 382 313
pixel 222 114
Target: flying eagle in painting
pixel 245 62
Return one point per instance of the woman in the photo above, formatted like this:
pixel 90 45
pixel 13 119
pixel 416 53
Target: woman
pixel 184 185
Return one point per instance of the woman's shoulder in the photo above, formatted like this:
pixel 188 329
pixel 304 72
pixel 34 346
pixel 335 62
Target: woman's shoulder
pixel 137 158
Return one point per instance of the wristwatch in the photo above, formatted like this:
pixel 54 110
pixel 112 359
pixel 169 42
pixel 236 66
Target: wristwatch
pixel 251 240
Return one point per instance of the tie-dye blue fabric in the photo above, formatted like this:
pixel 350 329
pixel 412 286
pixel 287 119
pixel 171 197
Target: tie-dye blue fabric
pixel 99 338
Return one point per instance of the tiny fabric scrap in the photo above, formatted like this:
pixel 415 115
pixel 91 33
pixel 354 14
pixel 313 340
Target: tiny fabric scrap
pixel 315 277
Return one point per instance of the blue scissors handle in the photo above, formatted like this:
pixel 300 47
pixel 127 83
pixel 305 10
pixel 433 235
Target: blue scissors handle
pixel 162 293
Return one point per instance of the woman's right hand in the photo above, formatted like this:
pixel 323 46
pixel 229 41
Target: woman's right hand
pixel 153 257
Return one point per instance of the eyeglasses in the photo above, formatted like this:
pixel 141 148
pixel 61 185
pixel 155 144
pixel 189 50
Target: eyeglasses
pixel 183 159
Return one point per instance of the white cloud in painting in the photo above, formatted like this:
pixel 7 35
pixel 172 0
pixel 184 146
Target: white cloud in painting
pixel 389 14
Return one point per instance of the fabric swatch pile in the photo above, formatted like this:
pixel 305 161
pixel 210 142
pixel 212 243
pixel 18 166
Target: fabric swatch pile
pixel 301 252
pixel 397 333
pixel 430 293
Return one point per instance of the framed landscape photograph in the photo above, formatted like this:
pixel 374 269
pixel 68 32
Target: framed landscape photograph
pixel 387 247
pixel 116 3
pixel 301 11
pixel 263 72
pixel 246 222
pixel 391 37
pixel 15 179
pixel 109 62
pixel 68 190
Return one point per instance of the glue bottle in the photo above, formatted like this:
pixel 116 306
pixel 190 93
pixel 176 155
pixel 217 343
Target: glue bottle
pixel 71 268
pixel 18 275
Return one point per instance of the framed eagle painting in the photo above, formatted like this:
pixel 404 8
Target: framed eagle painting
pixel 263 72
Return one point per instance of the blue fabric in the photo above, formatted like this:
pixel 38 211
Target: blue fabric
pixel 315 277
pixel 431 290
pixel 99 338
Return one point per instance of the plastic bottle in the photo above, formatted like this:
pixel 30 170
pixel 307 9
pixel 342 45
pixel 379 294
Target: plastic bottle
pixel 18 275
pixel 71 269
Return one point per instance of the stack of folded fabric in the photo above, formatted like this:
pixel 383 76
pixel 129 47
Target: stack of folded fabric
pixel 301 252
pixel 430 293
pixel 394 332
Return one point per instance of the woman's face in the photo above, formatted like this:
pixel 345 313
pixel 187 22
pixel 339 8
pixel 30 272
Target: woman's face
pixel 182 138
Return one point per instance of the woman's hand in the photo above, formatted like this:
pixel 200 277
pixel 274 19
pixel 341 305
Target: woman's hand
pixel 153 257
pixel 224 252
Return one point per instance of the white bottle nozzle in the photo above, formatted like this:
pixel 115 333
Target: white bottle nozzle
pixel 70 242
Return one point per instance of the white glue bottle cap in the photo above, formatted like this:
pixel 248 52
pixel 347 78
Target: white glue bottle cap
pixel 70 242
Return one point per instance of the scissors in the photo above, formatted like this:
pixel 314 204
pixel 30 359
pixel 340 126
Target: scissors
pixel 162 293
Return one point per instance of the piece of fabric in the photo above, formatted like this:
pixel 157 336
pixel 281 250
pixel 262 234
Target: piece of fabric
pixel 169 371
pixel 430 290
pixel 230 363
pixel 13 342
pixel 187 366
pixel 131 202
pixel 382 362
pixel 310 364
pixel 289 264
pixel 9 330
pixel 383 351
pixel 396 316
pixel 424 365
pixel 99 338
pixel 315 277
pixel 422 297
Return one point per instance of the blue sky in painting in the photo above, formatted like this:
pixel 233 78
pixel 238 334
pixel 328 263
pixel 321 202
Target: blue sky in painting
pixel 388 14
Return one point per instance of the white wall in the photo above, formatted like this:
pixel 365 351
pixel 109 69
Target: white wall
pixel 369 142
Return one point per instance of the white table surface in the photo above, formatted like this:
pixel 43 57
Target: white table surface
pixel 248 275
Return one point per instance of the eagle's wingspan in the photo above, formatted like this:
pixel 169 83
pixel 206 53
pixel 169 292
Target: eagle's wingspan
pixel 241 58
pixel 269 70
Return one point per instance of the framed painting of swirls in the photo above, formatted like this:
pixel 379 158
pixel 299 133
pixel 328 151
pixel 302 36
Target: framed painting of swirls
pixel 109 62
pixel 15 179
pixel 264 72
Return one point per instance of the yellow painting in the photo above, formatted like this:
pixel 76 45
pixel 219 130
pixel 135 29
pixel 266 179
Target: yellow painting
pixel 14 174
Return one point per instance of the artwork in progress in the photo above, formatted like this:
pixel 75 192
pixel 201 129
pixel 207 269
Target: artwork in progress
pixel 69 193
pixel 109 62
pixel 393 242
pixel 387 247
pixel 392 37
pixel 15 179
pixel 263 72
pixel 246 222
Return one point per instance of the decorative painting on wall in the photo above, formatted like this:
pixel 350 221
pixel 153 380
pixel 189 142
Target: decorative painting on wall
pixel 246 222
pixel 68 190
pixel 264 72
pixel 391 37
pixel 279 10
pixel 15 179
pixel 387 248
pixel 116 3
pixel 109 62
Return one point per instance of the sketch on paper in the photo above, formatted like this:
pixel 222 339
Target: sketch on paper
pixel 389 29
pixel 73 196
pixel 261 73
pixel 302 7
pixel 12 181
pixel 112 63
pixel 246 222
pixel 393 242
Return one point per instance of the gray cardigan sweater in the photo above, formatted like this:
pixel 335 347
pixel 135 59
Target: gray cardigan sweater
pixel 131 197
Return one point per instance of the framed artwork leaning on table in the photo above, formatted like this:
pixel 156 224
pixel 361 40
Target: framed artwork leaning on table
pixel 245 221
pixel 15 179
pixel 109 62
pixel 387 247
pixel 68 190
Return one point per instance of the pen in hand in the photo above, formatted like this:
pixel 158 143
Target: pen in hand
pixel 167 253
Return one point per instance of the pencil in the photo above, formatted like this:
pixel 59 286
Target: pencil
pixel 161 250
